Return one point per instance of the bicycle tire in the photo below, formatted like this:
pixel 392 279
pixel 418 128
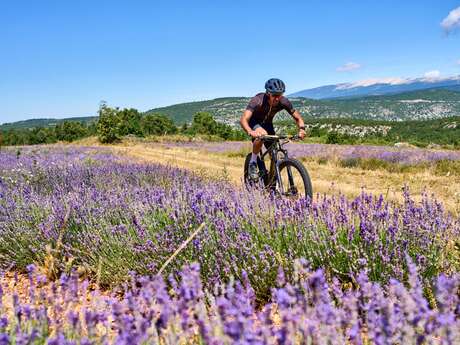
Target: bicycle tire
pixel 294 163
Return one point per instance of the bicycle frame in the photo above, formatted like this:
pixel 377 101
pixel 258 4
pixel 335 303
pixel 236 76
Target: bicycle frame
pixel 273 150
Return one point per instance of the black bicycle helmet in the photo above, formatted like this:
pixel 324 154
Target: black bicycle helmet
pixel 275 86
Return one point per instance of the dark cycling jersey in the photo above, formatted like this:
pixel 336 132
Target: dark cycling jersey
pixel 261 112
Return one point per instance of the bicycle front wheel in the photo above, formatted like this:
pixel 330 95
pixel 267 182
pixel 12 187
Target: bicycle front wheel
pixel 294 179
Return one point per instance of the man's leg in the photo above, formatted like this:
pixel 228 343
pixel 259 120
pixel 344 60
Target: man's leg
pixel 257 143
pixel 256 147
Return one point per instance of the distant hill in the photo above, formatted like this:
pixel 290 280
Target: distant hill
pixel 415 105
pixel 374 87
pixel 32 123
pixel 220 107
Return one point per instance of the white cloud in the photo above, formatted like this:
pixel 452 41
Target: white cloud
pixel 373 81
pixel 432 74
pixel 452 21
pixel 349 66
pixel 458 62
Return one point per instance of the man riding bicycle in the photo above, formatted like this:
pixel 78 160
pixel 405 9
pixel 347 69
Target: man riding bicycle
pixel 257 119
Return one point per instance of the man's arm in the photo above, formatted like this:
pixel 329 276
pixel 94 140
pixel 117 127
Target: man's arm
pixel 244 121
pixel 287 105
pixel 299 121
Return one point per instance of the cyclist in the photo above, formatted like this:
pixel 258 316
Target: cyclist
pixel 257 119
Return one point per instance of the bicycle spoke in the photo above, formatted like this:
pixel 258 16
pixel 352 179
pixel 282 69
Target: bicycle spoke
pixel 292 182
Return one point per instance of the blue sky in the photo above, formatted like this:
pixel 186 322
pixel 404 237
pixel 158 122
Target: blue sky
pixel 61 58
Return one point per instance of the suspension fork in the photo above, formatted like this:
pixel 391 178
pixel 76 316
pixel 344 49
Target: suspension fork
pixel 289 171
pixel 272 175
pixel 278 175
pixel 275 168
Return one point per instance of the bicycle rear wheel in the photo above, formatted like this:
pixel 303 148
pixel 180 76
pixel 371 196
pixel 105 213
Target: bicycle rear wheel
pixel 295 179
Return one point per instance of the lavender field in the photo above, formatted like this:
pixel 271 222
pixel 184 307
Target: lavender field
pixel 261 270
pixel 400 155
pixel 309 310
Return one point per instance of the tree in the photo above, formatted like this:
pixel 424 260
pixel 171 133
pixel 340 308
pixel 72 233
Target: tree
pixel 108 124
pixel 157 124
pixel 315 132
pixel 203 123
pixel 130 122
pixel 224 131
pixel 19 137
pixel 70 131
pixel 40 135
pixel 333 138
pixel 184 127
pixel 92 128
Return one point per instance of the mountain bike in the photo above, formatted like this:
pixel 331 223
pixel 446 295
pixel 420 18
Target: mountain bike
pixel 287 176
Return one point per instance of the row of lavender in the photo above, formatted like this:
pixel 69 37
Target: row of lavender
pixel 309 310
pixel 408 156
pixel 107 216
pixel 92 212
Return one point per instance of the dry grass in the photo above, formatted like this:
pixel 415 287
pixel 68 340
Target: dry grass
pixel 327 176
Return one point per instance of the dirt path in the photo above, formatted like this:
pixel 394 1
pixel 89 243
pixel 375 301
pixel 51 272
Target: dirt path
pixel 327 178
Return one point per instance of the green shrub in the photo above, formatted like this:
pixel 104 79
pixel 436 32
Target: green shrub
pixel 70 131
pixel 158 124
pixel 108 125
pixel 350 162
pixel 332 138
pixel 130 122
pixel 373 164
pixel 322 160
pixel 204 123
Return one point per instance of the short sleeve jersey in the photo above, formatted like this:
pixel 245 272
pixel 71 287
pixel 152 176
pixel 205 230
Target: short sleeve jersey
pixel 261 111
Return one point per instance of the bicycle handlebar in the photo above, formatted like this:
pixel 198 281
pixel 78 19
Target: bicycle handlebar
pixel 278 137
